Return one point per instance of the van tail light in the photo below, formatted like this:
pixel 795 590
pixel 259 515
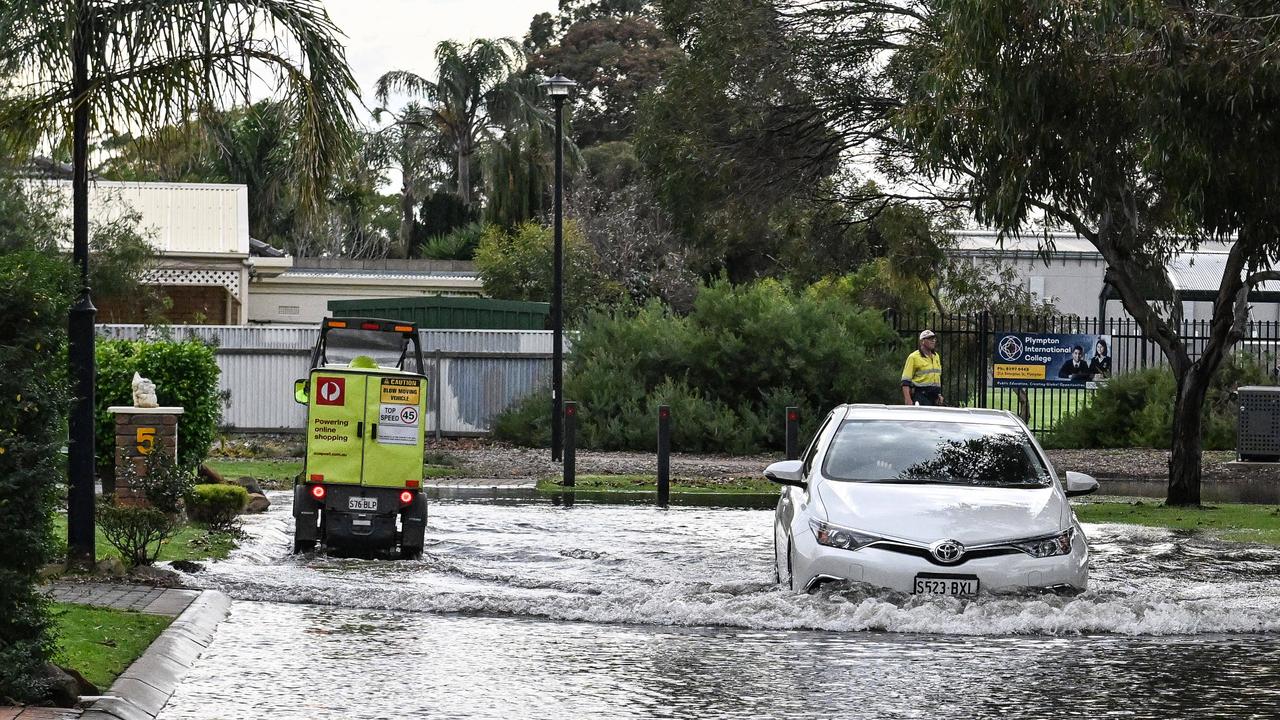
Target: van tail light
pixel 406 497
pixel 370 326
pixel 411 483
pixel 317 492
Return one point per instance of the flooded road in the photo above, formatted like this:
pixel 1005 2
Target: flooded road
pixel 538 610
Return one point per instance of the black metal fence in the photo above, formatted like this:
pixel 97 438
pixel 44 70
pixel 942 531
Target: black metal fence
pixel 967 344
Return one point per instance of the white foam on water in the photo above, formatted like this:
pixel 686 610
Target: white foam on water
pixel 698 567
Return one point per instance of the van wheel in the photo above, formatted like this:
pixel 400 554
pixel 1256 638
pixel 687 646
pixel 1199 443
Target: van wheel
pixel 302 546
pixel 410 553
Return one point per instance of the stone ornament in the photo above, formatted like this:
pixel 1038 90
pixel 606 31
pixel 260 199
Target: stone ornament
pixel 144 392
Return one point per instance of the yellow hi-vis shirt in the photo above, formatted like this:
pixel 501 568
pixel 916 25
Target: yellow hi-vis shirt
pixel 921 371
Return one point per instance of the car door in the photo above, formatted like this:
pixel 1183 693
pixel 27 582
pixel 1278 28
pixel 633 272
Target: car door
pixel 789 501
pixel 395 408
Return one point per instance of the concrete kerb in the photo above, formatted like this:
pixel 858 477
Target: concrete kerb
pixel 142 690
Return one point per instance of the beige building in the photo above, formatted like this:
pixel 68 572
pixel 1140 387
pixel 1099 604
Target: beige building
pixel 213 273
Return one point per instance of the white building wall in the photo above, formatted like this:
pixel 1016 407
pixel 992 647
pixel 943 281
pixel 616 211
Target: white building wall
pixel 177 218
pixel 292 300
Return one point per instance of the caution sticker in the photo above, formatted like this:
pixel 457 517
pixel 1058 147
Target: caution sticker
pixel 400 391
pixel 398 424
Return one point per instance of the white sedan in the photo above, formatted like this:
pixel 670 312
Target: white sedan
pixel 928 501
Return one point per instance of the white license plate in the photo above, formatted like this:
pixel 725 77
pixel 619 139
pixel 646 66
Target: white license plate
pixel 938 584
pixel 362 503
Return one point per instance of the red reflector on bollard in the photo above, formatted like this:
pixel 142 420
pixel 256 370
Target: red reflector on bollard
pixel 317 492
pixel 793 416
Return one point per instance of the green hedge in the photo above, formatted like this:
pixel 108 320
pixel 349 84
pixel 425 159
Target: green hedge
pixel 1136 410
pixel 728 370
pixel 216 505
pixel 185 374
pixel 33 403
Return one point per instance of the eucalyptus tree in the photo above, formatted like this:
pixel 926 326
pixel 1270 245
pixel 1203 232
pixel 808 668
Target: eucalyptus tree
pixel 96 67
pixel 477 88
pixel 1146 127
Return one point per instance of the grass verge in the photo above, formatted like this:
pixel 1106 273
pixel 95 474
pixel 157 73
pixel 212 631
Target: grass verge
pixel 1227 521
pixel 279 474
pixel 649 483
pixel 100 643
pixel 192 542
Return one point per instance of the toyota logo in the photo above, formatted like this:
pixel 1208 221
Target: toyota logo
pixel 947 551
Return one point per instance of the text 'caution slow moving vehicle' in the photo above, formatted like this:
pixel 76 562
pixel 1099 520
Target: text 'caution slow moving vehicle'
pixel 361 485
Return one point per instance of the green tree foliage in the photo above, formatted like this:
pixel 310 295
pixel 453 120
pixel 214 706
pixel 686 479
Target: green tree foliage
pixel 728 369
pixel 517 265
pixel 614 58
pixel 442 213
pixel 477 90
pixel 701 137
pixel 38 288
pixel 1136 410
pixel 186 375
pixel 1146 127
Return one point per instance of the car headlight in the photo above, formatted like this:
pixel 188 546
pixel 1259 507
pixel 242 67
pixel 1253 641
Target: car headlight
pixel 1048 546
pixel 840 537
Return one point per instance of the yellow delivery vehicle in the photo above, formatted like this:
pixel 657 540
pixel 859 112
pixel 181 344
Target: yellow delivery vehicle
pixel 360 489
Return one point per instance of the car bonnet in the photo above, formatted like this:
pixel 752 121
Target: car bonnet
pixel 927 513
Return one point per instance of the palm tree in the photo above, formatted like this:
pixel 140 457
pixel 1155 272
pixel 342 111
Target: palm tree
pixel 414 144
pixel 104 66
pixel 477 89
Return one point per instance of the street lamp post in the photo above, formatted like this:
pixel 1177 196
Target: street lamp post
pixel 558 88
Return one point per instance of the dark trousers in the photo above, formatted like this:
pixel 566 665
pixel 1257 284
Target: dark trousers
pixel 926 395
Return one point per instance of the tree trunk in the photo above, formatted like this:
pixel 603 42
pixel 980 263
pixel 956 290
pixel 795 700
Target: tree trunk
pixel 464 175
pixel 407 201
pixel 1188 444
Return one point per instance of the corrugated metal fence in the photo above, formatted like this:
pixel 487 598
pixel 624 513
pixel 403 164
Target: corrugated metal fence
pixel 473 374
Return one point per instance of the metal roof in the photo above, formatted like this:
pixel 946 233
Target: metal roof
pixel 375 275
pixel 1197 276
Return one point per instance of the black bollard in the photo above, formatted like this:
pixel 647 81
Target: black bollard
pixel 664 455
pixel 793 433
pixel 570 444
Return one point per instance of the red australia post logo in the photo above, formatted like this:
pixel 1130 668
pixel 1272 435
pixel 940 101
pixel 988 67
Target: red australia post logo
pixel 331 390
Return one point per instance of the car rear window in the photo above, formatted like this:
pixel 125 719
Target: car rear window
pixel 923 451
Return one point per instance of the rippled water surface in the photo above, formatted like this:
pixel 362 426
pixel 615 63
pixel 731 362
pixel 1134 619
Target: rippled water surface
pixel 535 610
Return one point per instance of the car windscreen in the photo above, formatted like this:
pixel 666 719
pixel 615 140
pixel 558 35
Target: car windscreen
pixel 926 451
pixel 342 344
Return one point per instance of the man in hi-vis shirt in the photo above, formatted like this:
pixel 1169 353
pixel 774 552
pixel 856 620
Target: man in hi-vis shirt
pixel 922 375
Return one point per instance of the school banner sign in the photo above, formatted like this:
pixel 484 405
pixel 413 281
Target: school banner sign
pixel 1050 360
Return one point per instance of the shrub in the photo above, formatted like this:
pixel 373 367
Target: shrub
pixel 458 244
pixel 728 370
pixel 135 532
pixel 517 265
pixel 185 374
pixel 1136 410
pixel 33 313
pixel 165 484
pixel 216 505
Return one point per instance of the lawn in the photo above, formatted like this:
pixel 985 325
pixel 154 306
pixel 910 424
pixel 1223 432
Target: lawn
pixel 1228 521
pixel 100 643
pixel 192 542
pixel 1048 405
pixel 649 483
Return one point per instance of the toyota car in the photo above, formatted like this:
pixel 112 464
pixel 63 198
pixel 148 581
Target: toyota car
pixel 920 500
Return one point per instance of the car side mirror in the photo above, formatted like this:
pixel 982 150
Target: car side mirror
pixel 787 472
pixel 300 391
pixel 1080 484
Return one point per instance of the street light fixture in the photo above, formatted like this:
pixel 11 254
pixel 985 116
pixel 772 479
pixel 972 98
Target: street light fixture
pixel 558 88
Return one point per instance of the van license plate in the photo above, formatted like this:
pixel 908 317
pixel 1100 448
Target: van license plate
pixel 362 503
pixel 939 584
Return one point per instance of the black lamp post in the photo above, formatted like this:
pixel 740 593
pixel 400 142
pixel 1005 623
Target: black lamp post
pixel 558 88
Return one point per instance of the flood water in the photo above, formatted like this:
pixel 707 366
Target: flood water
pixel 531 609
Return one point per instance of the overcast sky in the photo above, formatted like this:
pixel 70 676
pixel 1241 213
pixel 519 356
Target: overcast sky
pixel 387 35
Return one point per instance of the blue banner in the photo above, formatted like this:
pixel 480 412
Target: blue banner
pixel 1050 360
